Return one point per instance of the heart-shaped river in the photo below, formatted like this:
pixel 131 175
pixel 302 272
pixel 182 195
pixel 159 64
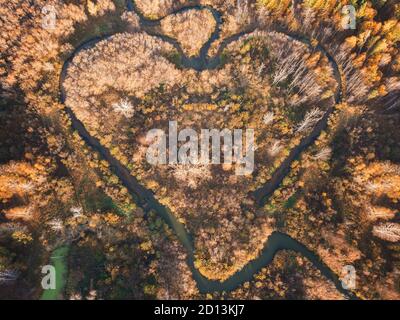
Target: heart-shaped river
pixel 118 88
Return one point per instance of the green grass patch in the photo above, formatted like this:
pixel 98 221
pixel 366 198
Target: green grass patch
pixel 58 259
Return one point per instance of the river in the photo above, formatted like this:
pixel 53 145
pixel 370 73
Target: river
pixel 277 241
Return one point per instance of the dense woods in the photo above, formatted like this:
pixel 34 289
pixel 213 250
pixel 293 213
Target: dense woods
pixel 191 28
pixel 290 67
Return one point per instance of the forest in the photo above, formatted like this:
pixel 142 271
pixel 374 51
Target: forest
pixel 82 82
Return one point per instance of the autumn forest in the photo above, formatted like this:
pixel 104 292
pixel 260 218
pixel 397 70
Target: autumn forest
pixel 313 86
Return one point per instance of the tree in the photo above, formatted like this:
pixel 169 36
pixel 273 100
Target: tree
pixel 56 225
pixel 8 276
pixel 191 28
pixel 268 118
pixel 124 107
pixel 387 231
pixel 310 120
pixel 275 148
pixel 291 66
pixel 324 154
pixel 190 174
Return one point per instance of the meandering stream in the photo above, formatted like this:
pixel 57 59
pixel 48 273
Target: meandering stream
pixel 145 198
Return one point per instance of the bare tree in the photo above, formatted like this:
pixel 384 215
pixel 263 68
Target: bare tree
pixel 76 211
pixel 56 225
pixel 324 154
pixel 275 148
pixel 373 186
pixel 75 296
pixel 25 212
pixel 387 231
pixel 291 66
pixel 268 118
pixel 242 13
pixel 375 213
pixel 287 64
pixel 124 107
pixel 356 88
pixel 92 295
pixel 8 276
pixel 310 120
pixel 261 69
